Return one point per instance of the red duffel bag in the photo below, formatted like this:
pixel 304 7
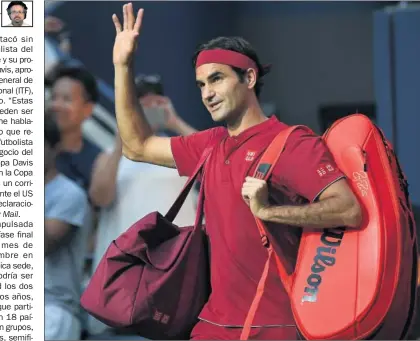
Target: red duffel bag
pixel 154 278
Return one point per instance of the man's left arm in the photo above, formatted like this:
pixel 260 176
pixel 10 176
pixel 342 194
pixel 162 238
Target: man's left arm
pixel 306 169
pixel 337 206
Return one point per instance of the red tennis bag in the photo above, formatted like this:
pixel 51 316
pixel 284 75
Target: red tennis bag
pixel 354 284
pixel 153 279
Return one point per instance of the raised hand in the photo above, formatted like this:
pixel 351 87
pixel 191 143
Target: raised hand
pixel 126 35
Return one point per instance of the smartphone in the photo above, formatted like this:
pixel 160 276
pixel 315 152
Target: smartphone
pixel 155 116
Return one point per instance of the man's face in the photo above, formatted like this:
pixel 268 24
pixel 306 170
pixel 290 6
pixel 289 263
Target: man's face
pixel 69 104
pixel 224 96
pixel 17 15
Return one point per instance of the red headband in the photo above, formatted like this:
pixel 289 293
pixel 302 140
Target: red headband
pixel 227 57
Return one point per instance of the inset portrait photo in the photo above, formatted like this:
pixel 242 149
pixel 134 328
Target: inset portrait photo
pixel 16 14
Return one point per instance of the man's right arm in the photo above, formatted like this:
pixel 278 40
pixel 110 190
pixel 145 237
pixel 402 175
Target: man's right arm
pixel 138 141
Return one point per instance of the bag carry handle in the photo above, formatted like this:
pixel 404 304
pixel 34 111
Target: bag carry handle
pixel 176 206
pixel 263 171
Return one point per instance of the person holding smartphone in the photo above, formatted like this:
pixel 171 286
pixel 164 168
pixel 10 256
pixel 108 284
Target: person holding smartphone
pixel 161 115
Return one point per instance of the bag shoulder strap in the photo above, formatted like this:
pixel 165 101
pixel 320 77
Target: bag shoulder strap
pixel 267 163
pixel 272 153
pixel 263 171
pixel 176 206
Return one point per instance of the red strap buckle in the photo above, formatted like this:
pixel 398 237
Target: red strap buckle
pixel 264 240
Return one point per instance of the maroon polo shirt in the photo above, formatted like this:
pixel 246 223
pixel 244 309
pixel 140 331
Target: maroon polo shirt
pixel 237 255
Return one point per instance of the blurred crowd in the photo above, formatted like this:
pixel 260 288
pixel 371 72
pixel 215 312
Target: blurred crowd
pixel 93 195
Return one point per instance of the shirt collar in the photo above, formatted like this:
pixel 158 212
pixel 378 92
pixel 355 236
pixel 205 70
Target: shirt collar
pixel 258 128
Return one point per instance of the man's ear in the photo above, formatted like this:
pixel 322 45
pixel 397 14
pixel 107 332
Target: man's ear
pixel 251 78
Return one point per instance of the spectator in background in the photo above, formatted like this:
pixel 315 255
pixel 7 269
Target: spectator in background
pixel 74 94
pixel 149 90
pixel 54 55
pixel 53 24
pixel 159 110
pixel 66 229
pixel 73 98
pixel 128 190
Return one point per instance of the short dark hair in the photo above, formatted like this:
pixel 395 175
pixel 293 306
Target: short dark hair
pixel 84 77
pixel 51 131
pixel 240 45
pixel 17 3
pixel 148 84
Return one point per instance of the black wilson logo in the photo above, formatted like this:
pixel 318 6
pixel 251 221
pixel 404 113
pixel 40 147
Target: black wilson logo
pixel 330 239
